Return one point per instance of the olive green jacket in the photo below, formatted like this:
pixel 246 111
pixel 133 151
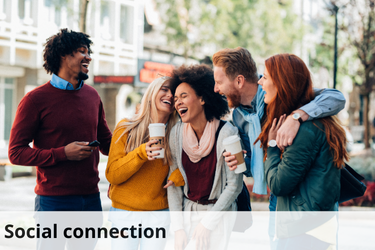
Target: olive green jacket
pixel 305 179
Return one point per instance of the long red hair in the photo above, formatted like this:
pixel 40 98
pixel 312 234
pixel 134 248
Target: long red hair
pixel 293 82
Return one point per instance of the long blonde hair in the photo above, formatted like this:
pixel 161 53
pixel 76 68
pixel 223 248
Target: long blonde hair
pixel 137 126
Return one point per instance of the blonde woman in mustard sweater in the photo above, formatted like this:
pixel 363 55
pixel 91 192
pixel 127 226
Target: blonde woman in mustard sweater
pixel 136 177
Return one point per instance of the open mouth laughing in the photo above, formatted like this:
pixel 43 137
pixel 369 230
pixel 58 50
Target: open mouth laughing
pixel 182 111
pixel 167 102
pixel 86 66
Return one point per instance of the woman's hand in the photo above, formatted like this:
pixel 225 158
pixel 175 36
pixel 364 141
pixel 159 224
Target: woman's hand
pixel 231 160
pixel 202 237
pixel 289 129
pixel 169 183
pixel 275 127
pixel 150 150
pixel 180 240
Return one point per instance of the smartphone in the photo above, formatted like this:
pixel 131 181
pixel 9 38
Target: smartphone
pixel 94 143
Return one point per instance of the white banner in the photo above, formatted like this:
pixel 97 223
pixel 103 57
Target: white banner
pixel 202 230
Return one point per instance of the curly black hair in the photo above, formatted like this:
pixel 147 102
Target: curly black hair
pixel 63 43
pixel 201 79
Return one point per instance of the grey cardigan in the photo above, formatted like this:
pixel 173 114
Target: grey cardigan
pixel 226 186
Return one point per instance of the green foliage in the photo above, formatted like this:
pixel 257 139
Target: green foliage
pixel 323 54
pixel 264 27
pixel 356 42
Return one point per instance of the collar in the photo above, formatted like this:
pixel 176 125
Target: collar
pixel 60 83
pixel 251 108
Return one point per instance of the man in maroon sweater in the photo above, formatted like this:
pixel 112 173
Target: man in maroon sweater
pixel 61 117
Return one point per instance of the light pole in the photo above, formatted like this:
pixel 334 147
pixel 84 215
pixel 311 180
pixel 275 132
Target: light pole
pixel 336 10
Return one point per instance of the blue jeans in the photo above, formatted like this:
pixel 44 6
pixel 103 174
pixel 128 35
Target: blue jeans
pixel 273 202
pixel 90 202
pixel 272 222
pixel 60 205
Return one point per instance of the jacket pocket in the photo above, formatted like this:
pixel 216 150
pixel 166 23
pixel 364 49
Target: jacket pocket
pixel 298 203
pixel 298 200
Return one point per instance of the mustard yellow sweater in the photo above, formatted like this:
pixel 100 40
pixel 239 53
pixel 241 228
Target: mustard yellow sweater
pixel 137 183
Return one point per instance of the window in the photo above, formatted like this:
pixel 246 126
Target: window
pixel 6 108
pixel 55 8
pixel 3 9
pixel 25 11
pixel 126 23
pixel 21 9
pixel 105 20
pixel 104 12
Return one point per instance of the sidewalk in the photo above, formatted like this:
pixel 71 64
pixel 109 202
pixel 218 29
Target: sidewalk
pixel 17 194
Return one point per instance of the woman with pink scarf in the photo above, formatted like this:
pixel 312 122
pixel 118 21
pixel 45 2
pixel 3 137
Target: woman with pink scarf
pixel 197 151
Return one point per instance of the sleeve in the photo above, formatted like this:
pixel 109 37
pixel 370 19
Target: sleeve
pixel 245 143
pixel 327 102
pixel 177 178
pixel 233 187
pixel 284 175
pixel 23 132
pixel 104 133
pixel 231 191
pixel 175 194
pixel 175 203
pixel 121 165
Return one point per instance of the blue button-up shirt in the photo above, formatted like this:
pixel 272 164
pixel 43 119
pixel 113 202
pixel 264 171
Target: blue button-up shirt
pixel 60 83
pixel 247 119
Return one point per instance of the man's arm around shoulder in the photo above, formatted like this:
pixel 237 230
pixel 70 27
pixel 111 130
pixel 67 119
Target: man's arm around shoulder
pixel 327 102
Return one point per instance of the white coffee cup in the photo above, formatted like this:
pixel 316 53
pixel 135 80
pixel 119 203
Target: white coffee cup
pixel 232 144
pixel 157 132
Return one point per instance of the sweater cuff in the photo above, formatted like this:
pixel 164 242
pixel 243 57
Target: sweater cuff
pixel 177 178
pixel 59 154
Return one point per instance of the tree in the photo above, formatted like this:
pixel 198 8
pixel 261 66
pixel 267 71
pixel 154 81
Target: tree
pixel 264 27
pixel 360 26
pixel 322 55
pixel 356 49
pixel 83 14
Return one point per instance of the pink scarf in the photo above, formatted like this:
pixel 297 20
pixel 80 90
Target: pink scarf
pixel 190 144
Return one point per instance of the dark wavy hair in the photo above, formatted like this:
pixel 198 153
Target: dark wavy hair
pixel 201 79
pixel 63 43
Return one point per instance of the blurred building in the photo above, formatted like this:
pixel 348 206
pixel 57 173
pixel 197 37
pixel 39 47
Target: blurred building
pixel 115 26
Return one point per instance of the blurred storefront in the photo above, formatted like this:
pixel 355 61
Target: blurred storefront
pixel 115 26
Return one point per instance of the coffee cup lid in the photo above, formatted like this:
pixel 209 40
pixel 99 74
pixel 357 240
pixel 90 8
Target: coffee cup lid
pixel 156 125
pixel 231 139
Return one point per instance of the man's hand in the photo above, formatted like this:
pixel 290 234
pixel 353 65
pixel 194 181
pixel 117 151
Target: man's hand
pixel 231 160
pixel 78 150
pixel 289 130
pixel 180 239
pixel 202 237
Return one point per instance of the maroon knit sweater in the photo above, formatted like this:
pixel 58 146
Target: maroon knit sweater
pixel 51 118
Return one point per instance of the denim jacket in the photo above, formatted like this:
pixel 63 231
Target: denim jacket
pixel 327 102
